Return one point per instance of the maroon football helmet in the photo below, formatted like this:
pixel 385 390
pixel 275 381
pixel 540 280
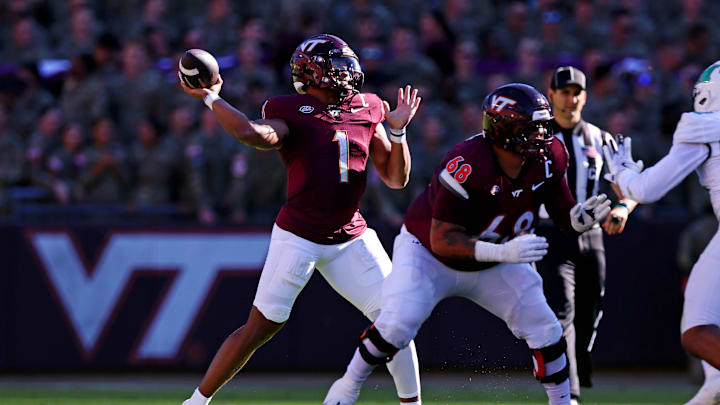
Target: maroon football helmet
pixel 517 118
pixel 326 62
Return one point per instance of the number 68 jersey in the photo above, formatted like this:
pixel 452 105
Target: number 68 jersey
pixel 471 190
pixel 325 154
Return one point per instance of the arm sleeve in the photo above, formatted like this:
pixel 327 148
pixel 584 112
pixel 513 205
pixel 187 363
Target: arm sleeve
pixel 654 182
pixel 558 203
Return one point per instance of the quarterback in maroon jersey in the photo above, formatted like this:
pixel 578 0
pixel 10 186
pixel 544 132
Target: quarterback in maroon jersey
pixel 470 234
pixel 325 135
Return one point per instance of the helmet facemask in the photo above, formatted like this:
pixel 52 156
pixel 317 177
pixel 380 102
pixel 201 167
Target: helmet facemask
pixel 534 139
pixel 337 70
pixel 531 140
pixel 345 75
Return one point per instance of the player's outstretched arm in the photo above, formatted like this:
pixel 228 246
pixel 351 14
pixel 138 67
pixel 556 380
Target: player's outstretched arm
pixel 391 158
pixel 653 183
pixel 260 134
pixel 453 241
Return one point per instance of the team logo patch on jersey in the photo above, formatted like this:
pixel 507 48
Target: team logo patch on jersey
pixel 307 109
pixel 495 189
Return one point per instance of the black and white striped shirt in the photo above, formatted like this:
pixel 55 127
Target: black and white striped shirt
pixel 584 145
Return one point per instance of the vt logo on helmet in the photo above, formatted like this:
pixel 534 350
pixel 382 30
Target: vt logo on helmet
pixel 326 62
pixel 517 118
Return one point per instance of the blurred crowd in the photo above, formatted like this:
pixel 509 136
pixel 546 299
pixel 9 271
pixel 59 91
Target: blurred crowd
pixel 93 122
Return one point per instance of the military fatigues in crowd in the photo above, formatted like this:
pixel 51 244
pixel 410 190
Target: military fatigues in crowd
pixel 208 158
pixel 11 167
pixel 257 190
pixel 63 169
pixel 155 169
pixel 105 176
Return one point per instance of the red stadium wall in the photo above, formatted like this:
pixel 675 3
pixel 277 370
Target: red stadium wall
pixel 99 298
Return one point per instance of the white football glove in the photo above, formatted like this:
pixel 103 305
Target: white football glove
pixel 593 210
pixel 523 249
pixel 619 157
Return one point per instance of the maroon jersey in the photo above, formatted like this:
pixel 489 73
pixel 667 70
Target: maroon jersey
pixel 470 189
pixel 325 153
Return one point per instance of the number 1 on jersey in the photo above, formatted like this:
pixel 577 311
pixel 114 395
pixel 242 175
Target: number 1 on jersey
pixel 341 138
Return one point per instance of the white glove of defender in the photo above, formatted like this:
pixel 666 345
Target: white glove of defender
pixel 593 210
pixel 523 249
pixel 620 158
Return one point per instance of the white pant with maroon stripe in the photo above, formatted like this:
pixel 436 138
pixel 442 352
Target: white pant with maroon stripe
pixel 512 292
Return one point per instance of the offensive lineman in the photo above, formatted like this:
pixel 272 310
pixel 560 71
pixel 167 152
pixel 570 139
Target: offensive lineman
pixel 469 234
pixel 325 136
pixel 696 146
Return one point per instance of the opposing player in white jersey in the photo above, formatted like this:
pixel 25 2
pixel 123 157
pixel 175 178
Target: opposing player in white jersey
pixel 696 146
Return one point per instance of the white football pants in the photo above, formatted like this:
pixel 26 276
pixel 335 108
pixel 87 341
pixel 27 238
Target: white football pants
pixel 512 292
pixel 702 293
pixel 355 269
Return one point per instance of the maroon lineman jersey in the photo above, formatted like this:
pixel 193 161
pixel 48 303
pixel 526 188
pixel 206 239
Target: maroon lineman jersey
pixel 325 154
pixel 470 189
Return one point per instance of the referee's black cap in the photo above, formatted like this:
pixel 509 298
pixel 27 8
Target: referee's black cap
pixel 567 75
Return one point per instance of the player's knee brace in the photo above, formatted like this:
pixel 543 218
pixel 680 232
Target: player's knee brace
pixel 550 363
pixel 386 350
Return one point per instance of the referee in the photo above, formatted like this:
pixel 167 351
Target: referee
pixel 578 263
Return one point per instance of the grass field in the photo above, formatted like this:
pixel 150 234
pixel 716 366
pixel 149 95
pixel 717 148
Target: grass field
pixel 456 389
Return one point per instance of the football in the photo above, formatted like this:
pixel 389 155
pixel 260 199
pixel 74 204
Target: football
pixel 198 68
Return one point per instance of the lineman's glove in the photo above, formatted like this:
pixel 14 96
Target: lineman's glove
pixel 523 249
pixel 594 209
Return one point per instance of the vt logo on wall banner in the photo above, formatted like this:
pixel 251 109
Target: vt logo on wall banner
pixel 89 293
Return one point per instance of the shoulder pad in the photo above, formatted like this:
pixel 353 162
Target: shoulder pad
pixel 698 128
pixel 449 182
